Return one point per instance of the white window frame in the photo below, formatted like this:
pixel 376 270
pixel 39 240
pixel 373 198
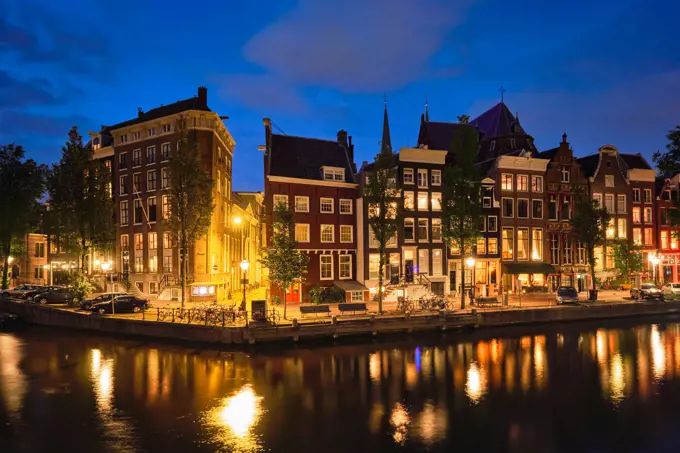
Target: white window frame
pixel 321 201
pixel 333 174
pixel 503 248
pixel 609 180
pixel 509 177
pixel 528 243
pixel 413 226
pixel 537 182
pixel 302 199
pixel 646 210
pixel 495 217
pixel 321 228
pixel 625 207
pixel 165 156
pixel 513 208
pixel 340 259
pixel 490 241
pixel 422 171
pixel 598 198
pixel 134 176
pixel 412 196
pixel 423 196
pixel 140 157
pixel 532 208
pixel 127 211
pixel 408 171
pixel 527 181
pixel 296 232
pixel 565 174
pixel 435 177
pixel 354 298
pixel 621 228
pixel 351 233
pixel 427 229
pixel 321 264
pixel 148 209
pixel 528 208
pixel 122 188
pixel 346 202
pixel 435 201
pixel 438 222
pixel 153 244
pixel 278 198
pixel 651 199
pixel 155 181
pixel 531 244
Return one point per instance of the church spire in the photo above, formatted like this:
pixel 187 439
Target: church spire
pixel 386 143
pixel 427 113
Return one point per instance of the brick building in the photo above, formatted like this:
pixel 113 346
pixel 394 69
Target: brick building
pixel 316 179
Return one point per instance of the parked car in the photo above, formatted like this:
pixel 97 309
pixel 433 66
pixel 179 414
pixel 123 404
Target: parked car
pixel 56 296
pixel 647 291
pixel 87 303
pixel 567 295
pixel 19 292
pixel 671 288
pixel 122 304
pixel 30 295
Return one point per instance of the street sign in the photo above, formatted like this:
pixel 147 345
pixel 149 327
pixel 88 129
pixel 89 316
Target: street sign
pixel 215 267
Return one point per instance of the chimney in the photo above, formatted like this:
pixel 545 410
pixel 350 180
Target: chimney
pixel 140 112
pixel 268 142
pixel 203 96
pixel 342 137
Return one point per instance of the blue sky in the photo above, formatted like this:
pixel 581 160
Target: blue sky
pixel 604 72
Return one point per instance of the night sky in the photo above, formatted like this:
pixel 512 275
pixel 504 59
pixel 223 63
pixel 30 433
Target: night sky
pixel 604 72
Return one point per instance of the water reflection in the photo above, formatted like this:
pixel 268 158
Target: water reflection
pixel 412 395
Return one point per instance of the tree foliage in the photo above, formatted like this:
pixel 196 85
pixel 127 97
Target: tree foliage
pixel 627 258
pixel 282 257
pixel 190 191
pixel 80 285
pixel 381 194
pixel 462 211
pixel 81 207
pixel 22 182
pixel 668 164
pixel 589 224
pixel 463 119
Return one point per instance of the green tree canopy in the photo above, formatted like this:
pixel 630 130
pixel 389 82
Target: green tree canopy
pixel 589 224
pixel 22 182
pixel 384 215
pixel 282 257
pixel 190 191
pixel 81 208
pixel 462 211
pixel 627 258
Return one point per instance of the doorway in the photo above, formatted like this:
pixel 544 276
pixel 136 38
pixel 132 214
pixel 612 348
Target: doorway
pixel 293 293
pixel 394 268
pixel 408 265
pixel 452 280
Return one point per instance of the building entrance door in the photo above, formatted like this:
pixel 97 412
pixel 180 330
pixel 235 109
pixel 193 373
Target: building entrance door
pixel 394 268
pixel 294 294
pixel 408 265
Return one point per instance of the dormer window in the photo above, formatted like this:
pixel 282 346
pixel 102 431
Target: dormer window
pixel 333 174
pixel 95 144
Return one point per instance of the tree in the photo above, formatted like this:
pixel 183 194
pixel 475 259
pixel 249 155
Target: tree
pixel 668 164
pixel 462 211
pixel 463 119
pixel 380 192
pixel 283 259
pixel 22 182
pixel 627 258
pixel 190 192
pixel 81 206
pixel 589 224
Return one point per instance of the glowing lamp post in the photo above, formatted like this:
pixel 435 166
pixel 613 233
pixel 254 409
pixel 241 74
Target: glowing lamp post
pixel 105 267
pixel 654 260
pixel 471 264
pixel 245 264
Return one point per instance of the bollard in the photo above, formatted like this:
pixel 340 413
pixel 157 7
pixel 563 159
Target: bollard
pixel 334 320
pixel 158 314
pixel 295 323
pixel 372 318
pixel 474 311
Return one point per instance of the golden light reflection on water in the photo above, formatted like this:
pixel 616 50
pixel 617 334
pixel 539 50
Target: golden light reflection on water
pixel 658 353
pixel 234 420
pixel 12 379
pixel 475 385
pixel 400 420
pixel 617 382
pixel 101 373
pixel 431 423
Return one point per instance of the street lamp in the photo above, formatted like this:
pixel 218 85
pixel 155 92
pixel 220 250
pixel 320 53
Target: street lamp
pixel 245 264
pixel 654 260
pixel 471 264
pixel 105 267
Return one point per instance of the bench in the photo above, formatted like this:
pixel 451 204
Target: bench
pixel 314 309
pixel 353 307
pixel 486 301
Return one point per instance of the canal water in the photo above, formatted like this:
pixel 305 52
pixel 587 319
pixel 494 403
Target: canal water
pixel 571 388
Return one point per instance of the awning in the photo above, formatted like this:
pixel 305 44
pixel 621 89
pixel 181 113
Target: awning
pixel 528 268
pixel 349 285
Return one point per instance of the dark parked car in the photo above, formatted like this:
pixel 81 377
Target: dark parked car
pixel 87 303
pixel 647 291
pixel 567 295
pixel 123 304
pixel 30 295
pixel 19 292
pixel 56 296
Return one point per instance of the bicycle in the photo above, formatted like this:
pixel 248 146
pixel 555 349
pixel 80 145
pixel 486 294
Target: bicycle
pixel 405 305
pixel 273 316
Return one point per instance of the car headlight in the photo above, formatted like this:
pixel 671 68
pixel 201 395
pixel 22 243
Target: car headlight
pixel 559 299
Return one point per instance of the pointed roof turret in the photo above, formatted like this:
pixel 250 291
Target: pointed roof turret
pixel 386 143
pixel 427 113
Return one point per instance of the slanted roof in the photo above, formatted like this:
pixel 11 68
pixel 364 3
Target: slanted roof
pixel 548 154
pixel 392 160
pixel 437 135
pixel 497 121
pixel 165 110
pixel 589 164
pixel 636 161
pixel 303 157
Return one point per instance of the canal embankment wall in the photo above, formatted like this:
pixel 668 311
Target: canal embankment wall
pixel 335 327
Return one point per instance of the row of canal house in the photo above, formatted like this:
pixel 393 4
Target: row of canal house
pixel 528 200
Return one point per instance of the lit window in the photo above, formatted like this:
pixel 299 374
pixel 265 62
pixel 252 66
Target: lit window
pixel 636 215
pixel 357 296
pixel 436 229
pixel 508 243
pixel 621 204
pixel 422 230
pixel 664 239
pixel 537 184
pixel 408 201
pixel 345 267
pixel 346 233
pixel 280 200
pixel 648 236
pixel 423 261
pixel 436 176
pixel 302 232
pixel 153 241
pixel 637 236
pixel 522 183
pixel 622 227
pixel 648 215
pixel 333 174
pixel 166 208
pixel 373 266
pixel 537 244
pixel 436 201
pixel 124 242
pixel 481 246
pixel 522 243
pixel 301 204
pixel 422 201
pixel 492 246
pixel 139 241
pixel 327 233
pixel 506 182
pixel 326 262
